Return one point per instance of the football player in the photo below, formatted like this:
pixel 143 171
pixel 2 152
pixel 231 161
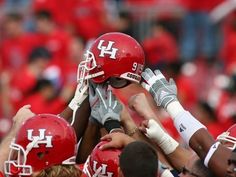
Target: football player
pixel 214 155
pixel 22 114
pixel 44 146
pixel 114 59
pixel 231 170
pixel 102 162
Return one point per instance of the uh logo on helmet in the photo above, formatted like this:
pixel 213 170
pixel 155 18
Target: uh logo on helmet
pixel 113 55
pixel 102 163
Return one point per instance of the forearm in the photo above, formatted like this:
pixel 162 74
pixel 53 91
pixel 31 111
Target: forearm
pixel 219 161
pixel 67 113
pixel 190 129
pixel 81 119
pixel 199 139
pixel 90 139
pixel 179 158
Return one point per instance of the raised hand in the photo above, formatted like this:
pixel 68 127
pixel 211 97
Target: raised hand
pixel 154 131
pixel 94 98
pixel 140 104
pixel 107 107
pixel 164 92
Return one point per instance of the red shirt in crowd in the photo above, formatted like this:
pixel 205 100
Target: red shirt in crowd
pixel 40 105
pixel 21 84
pixel 228 53
pixel 89 18
pixel 57 43
pixel 186 91
pixel 60 11
pixel 160 48
pixel 14 52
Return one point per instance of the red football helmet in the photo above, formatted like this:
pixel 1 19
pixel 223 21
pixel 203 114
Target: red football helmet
pixel 113 55
pixel 40 144
pixel 102 162
pixel 228 138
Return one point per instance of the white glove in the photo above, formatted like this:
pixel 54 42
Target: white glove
pixel 163 92
pixel 164 141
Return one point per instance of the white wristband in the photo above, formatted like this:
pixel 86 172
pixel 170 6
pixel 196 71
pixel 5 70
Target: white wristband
pixel 174 109
pixel 187 125
pixel 210 153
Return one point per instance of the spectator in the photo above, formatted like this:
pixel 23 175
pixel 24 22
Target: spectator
pixel 37 63
pixel 61 16
pixel 44 97
pixel 54 39
pixel 199 36
pixel 90 18
pixel 206 115
pixel 17 44
pixel 228 54
pixel 160 47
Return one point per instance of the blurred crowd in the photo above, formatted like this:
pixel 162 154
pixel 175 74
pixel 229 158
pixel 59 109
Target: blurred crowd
pixel 42 42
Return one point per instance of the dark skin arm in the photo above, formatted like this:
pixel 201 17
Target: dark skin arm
pixel 67 113
pixel 81 117
pixel 90 139
pixel 200 142
pixel 83 128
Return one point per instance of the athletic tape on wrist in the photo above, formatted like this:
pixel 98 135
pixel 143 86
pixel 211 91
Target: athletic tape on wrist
pixel 164 141
pixel 168 145
pixel 187 125
pixel 210 153
pixel 72 105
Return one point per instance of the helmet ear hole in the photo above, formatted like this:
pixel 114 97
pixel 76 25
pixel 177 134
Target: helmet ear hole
pixel 116 82
pixel 40 155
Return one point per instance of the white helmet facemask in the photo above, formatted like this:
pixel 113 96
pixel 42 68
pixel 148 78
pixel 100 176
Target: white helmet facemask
pixel 88 64
pixel 16 163
pixel 227 140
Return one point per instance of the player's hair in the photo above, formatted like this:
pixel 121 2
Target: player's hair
pixel 60 170
pixel 138 159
